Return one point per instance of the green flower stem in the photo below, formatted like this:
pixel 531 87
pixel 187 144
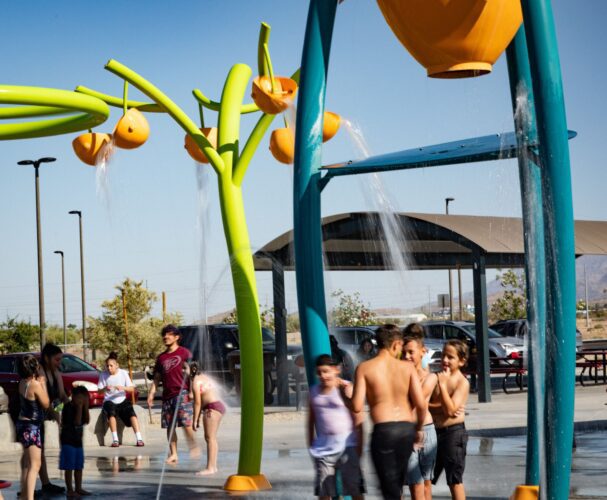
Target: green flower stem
pixel 201 114
pixel 253 141
pixel 125 97
pixel 116 102
pixel 171 108
pixel 264 39
pixel 214 105
pixel 266 53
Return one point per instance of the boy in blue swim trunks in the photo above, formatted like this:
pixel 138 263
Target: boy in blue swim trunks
pixel 74 416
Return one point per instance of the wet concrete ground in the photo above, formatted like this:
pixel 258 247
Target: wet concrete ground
pixel 495 464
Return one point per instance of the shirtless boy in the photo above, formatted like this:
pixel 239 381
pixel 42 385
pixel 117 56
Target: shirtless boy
pixel 420 469
pixel 392 390
pixel 449 397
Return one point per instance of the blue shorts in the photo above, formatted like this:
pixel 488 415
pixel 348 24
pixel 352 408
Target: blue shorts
pixel 71 458
pixel 422 460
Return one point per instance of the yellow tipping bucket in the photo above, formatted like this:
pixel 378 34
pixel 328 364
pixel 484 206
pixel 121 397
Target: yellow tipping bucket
pixel 454 38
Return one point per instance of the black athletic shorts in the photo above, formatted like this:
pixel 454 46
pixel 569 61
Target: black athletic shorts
pixel 122 410
pixel 391 445
pixel 451 453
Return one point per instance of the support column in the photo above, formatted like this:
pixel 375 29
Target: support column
pixel 530 176
pixel 280 332
pixel 306 191
pixel 482 334
pixel 560 244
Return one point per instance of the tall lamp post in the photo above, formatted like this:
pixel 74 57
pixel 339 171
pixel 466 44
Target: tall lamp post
pixel 447 201
pixel 59 252
pixel 36 164
pixel 79 214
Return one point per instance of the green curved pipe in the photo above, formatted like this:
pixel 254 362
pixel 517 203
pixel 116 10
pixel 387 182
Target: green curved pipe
pixel 117 102
pixel 85 111
pixel 183 120
pixel 215 106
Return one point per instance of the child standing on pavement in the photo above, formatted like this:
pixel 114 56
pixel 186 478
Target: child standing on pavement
pixel 420 468
pixel 74 416
pixel 334 434
pixel 450 395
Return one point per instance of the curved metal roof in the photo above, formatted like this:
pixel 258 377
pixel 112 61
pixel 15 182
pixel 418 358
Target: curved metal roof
pixel 356 241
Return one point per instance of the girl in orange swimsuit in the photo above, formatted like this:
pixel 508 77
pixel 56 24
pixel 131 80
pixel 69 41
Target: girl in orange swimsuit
pixel 209 406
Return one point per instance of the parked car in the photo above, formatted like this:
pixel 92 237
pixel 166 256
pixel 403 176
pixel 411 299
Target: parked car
pixel 211 346
pixel 349 338
pixel 499 346
pixel 72 369
pixel 520 328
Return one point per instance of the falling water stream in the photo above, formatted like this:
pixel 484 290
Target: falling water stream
pixel 522 119
pixel 395 238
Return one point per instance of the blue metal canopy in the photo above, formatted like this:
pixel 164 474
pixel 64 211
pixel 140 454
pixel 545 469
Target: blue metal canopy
pixel 485 148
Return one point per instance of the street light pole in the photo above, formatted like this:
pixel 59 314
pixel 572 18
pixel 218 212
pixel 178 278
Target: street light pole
pixel 447 200
pixel 63 296
pixel 36 164
pixel 79 214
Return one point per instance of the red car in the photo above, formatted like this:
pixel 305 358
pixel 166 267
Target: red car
pixel 72 368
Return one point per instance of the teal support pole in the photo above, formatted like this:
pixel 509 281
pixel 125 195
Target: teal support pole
pixel 560 245
pixel 530 177
pixel 306 190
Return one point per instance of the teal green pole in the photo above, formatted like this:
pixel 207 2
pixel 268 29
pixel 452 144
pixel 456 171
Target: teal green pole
pixel 306 190
pixel 533 229
pixel 560 245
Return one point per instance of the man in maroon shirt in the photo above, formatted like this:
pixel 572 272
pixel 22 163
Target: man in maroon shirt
pixel 177 409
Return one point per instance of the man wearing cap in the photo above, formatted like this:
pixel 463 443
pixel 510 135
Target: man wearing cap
pixel 177 411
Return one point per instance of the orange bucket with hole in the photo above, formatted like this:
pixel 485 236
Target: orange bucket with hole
pixel 132 130
pixel 192 147
pixel 273 102
pixel 88 146
pixel 330 125
pixel 282 145
pixel 454 38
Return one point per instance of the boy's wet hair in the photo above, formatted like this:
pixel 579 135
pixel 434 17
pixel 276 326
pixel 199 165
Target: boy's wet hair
pixel 386 334
pixel 27 366
pixel 461 348
pixel 325 360
pixel 170 329
pixel 414 332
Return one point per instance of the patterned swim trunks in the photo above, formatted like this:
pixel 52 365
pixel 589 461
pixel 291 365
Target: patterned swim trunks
pixel 179 407
pixel 28 433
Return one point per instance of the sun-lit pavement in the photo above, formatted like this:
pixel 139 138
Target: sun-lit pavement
pixel 495 462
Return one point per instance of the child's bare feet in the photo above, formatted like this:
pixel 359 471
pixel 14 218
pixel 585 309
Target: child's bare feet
pixel 83 493
pixel 71 494
pixel 207 472
pixel 172 459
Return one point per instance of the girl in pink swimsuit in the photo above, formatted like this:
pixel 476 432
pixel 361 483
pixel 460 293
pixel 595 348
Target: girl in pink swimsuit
pixel 209 406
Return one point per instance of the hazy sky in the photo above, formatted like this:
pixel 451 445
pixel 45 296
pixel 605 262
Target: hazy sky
pixel 144 220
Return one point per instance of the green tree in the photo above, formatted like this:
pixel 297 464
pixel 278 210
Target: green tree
pixel 107 333
pixel 351 310
pixel 513 302
pixel 18 336
pixel 266 314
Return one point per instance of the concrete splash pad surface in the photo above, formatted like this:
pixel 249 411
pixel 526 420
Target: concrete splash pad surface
pixel 495 463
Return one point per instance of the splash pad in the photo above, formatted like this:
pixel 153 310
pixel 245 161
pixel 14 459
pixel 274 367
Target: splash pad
pixel 452 44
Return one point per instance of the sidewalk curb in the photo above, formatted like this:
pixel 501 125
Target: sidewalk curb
pixel 585 426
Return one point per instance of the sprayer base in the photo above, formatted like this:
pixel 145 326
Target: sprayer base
pixel 525 492
pixel 247 483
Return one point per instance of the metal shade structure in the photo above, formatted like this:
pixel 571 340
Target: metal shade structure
pixel 355 242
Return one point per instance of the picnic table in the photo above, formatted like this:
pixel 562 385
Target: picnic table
pixel 591 361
